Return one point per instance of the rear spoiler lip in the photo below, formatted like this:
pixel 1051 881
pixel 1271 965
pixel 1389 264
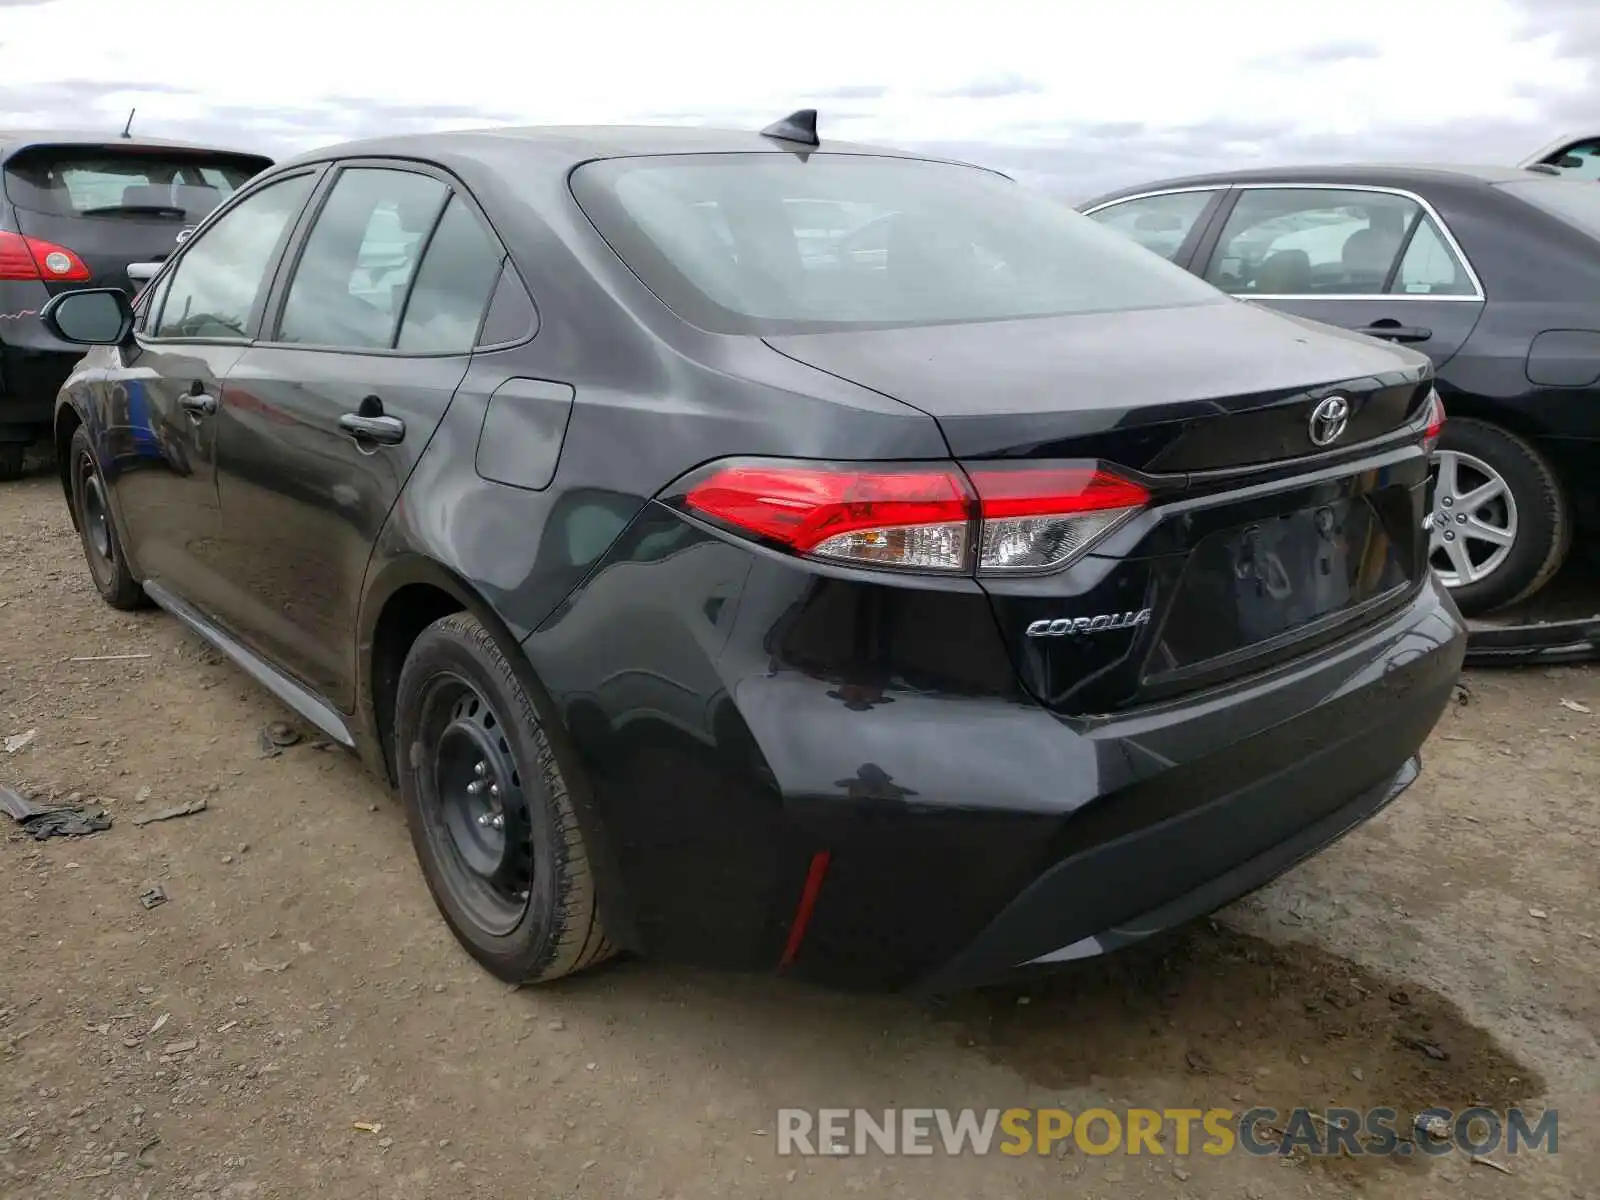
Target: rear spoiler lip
pixel 9 150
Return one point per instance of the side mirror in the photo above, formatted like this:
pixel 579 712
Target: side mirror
pixel 141 273
pixel 92 317
pixel 1568 162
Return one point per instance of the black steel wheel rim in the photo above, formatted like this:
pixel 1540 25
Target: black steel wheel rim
pixel 476 806
pixel 95 514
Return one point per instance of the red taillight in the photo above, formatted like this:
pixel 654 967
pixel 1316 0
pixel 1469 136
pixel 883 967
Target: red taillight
pixel 15 260
pixel 34 258
pixel 1038 519
pixel 882 516
pixel 929 518
pixel 1435 427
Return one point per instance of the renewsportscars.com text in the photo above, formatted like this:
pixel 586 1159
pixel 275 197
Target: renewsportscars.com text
pixel 1151 1131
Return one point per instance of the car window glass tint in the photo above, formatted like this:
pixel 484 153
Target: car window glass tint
pixel 1310 242
pixel 1158 223
pixel 774 243
pixel 224 270
pixel 355 267
pixel 147 306
pixel 1430 267
pixel 511 316
pixel 125 182
pixel 458 273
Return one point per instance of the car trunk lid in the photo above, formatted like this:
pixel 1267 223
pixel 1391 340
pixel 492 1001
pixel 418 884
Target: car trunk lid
pixel 1180 389
pixel 1257 543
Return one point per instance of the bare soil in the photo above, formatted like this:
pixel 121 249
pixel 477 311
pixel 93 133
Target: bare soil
pixel 297 981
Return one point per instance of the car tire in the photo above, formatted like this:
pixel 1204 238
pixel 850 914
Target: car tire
pixel 490 809
pixel 12 456
pixel 102 547
pixel 1526 503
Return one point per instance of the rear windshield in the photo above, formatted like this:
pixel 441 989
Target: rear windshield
pixel 1577 202
pixel 96 181
pixel 772 243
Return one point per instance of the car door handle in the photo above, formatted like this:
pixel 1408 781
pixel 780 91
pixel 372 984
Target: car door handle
pixel 386 431
pixel 198 404
pixel 1393 331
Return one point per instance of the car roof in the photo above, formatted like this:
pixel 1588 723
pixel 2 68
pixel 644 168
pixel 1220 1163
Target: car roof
pixel 1401 175
pixel 13 141
pixel 569 145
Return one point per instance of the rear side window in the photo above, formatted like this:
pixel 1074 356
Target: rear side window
pixel 773 243
pixel 458 274
pixel 356 267
pixel 111 181
pixel 1430 267
pixel 1311 242
pixel 1158 223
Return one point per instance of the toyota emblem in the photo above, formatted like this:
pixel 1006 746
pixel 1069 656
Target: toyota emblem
pixel 1328 420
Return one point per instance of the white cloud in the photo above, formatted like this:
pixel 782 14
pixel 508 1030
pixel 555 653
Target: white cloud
pixel 1000 73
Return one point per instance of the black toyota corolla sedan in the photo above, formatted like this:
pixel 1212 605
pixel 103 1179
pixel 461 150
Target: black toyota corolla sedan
pixel 770 554
pixel 1493 272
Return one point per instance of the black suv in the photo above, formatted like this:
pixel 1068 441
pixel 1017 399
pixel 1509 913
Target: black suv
pixel 75 210
pixel 773 554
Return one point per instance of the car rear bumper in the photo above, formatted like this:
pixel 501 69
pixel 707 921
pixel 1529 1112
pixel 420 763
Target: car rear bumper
pixel 34 363
pixel 29 382
pixel 1075 894
pixel 845 781
pixel 1194 805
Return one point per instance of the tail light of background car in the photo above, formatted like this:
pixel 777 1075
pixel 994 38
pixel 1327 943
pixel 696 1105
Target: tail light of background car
pixel 34 258
pixel 1435 418
pixel 928 517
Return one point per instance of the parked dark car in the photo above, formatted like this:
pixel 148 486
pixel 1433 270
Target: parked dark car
pixel 1493 272
pixel 904 610
pixel 75 210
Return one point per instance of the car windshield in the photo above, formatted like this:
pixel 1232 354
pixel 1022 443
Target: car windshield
pixel 96 181
pixel 777 243
pixel 1577 202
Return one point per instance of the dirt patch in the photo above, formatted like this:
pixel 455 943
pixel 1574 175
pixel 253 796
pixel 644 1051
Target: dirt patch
pixel 295 1020
pixel 1217 1018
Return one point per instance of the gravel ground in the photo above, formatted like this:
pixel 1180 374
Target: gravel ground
pixel 297 984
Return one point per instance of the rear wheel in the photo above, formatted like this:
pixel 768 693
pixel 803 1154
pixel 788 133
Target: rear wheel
pixel 490 810
pixel 102 548
pixel 1501 527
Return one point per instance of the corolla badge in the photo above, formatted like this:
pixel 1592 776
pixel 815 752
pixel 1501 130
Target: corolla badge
pixel 1100 623
pixel 1328 420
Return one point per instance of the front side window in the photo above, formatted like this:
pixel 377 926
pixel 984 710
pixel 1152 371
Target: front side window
pixel 148 303
pixel 1158 223
pixel 223 271
pixel 356 266
pixel 773 243
pixel 1311 242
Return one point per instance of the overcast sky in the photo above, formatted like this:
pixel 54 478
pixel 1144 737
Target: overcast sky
pixel 1071 96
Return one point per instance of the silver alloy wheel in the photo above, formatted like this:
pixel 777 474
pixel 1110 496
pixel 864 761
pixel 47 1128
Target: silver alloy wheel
pixel 1473 525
